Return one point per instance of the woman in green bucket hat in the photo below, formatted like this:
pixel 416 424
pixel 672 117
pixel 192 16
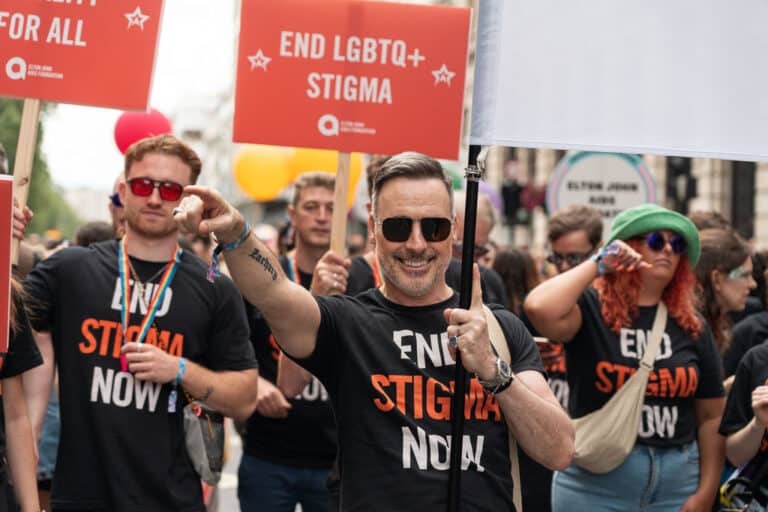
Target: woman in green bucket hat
pixel 603 310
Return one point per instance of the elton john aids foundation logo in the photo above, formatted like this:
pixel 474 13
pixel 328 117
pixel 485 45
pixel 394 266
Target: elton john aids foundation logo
pixel 16 68
pixel 328 125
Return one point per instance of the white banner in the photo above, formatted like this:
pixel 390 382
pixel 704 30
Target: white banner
pixel 684 78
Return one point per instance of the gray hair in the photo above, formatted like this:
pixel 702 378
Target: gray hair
pixel 411 165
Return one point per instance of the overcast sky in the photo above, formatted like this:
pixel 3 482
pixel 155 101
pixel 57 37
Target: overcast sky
pixel 195 58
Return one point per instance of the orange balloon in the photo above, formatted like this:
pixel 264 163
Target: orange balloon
pixel 305 159
pixel 262 172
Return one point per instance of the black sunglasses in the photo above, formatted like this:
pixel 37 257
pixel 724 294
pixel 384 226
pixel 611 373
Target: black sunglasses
pixel 572 258
pixel 433 229
pixel 143 187
pixel 115 198
pixel 657 241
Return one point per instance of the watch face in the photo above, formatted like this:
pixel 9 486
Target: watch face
pixel 505 371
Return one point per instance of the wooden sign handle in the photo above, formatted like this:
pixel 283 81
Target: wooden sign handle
pixel 25 155
pixel 339 221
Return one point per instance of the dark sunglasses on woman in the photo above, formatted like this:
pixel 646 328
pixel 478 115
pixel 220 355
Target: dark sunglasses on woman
pixel 433 229
pixel 143 187
pixel 657 241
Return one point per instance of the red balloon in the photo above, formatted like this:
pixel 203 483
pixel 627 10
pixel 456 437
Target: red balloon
pixel 133 126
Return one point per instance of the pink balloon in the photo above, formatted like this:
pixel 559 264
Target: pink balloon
pixel 133 126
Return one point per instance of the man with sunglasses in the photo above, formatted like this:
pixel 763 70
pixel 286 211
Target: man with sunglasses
pixel 137 330
pixel 386 355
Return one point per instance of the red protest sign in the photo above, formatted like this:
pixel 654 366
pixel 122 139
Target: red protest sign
pixel 79 51
pixel 351 75
pixel 6 221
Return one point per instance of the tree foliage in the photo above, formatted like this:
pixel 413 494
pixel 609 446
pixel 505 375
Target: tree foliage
pixel 45 199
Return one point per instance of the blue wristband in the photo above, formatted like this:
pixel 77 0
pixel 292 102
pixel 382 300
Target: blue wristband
pixel 598 258
pixel 182 370
pixel 237 243
pixel 611 248
pixel 213 268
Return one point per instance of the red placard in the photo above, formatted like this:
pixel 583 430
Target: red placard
pixel 87 52
pixel 6 222
pixel 351 75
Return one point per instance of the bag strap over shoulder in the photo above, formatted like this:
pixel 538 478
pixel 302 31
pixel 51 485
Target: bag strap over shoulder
pixel 499 342
pixel 496 335
pixel 659 323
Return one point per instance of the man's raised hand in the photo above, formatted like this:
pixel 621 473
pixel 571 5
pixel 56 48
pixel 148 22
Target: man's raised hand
pixel 205 211
pixel 469 328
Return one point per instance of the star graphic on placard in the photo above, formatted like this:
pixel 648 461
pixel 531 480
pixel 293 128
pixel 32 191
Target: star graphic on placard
pixel 136 18
pixel 443 75
pixel 259 60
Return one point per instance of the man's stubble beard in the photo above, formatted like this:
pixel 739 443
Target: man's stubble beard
pixel 135 227
pixel 390 271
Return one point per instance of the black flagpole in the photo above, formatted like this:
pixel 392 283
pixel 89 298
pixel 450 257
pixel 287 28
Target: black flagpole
pixel 473 176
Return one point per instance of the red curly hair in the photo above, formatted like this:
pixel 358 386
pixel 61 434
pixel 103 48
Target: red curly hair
pixel 619 292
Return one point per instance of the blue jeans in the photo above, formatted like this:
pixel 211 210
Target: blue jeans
pixel 650 479
pixel 264 486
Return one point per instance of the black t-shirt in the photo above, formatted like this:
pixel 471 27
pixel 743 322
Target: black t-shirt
pixel 751 331
pixel 751 373
pixel 22 355
pixel 599 361
pixel 120 448
pixel 388 371
pixel 307 437
pixel 361 279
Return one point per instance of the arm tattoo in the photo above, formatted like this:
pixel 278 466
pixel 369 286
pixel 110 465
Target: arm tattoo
pixel 264 262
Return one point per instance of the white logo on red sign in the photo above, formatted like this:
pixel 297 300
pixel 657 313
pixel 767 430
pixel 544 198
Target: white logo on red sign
pixel 328 125
pixel 16 68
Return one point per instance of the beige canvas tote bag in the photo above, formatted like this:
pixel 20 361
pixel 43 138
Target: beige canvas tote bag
pixel 605 437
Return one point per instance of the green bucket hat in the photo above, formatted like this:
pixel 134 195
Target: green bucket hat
pixel 651 217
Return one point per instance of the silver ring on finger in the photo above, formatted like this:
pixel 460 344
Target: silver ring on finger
pixel 177 211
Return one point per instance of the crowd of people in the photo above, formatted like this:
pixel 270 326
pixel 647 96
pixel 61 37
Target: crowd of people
pixel 338 368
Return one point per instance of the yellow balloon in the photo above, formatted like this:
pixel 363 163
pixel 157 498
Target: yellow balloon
pixel 305 159
pixel 263 172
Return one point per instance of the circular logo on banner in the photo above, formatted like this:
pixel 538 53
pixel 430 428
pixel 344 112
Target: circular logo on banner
pixel 16 68
pixel 610 182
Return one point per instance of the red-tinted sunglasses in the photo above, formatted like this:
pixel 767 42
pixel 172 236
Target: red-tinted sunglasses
pixel 143 187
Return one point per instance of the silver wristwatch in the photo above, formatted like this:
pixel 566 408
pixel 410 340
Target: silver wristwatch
pixel 502 380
